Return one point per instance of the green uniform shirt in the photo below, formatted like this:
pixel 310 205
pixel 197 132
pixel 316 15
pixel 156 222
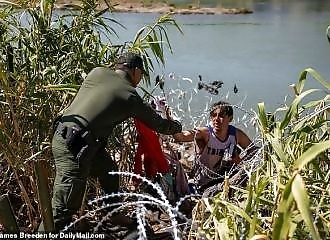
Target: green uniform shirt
pixel 107 98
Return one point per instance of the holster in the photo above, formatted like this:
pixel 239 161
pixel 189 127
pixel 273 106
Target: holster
pixel 80 142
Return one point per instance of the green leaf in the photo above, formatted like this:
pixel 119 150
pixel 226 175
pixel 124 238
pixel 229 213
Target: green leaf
pixel 293 109
pixel 301 197
pixel 317 126
pixel 138 35
pixel 253 226
pixel 313 104
pixel 9 3
pixel 315 75
pixel 282 223
pixel 276 144
pixel 311 154
pixel 262 116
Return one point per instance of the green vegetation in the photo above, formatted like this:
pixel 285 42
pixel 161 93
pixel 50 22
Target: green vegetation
pixel 42 65
pixel 289 196
pixel 43 60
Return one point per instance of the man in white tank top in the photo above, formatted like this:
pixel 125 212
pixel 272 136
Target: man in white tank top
pixel 216 144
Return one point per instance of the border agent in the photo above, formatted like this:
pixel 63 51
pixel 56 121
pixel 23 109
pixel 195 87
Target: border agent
pixel 105 99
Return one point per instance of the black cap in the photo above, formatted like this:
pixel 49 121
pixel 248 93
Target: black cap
pixel 132 60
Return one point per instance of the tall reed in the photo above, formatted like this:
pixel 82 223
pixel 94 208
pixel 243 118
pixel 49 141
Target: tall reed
pixel 288 197
pixel 44 58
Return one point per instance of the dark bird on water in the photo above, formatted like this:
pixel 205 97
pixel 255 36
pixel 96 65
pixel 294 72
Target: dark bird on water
pixel 217 83
pixel 235 89
pixel 211 87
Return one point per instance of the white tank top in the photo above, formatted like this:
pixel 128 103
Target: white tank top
pixel 215 155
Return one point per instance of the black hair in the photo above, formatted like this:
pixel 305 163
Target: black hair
pixel 224 107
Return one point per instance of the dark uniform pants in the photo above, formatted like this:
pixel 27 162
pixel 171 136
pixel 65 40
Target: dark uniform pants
pixel 71 178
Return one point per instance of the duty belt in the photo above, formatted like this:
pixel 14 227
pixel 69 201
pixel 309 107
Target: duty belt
pixel 80 142
pixel 76 133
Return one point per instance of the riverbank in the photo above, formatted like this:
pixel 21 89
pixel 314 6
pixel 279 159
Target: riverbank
pixel 138 7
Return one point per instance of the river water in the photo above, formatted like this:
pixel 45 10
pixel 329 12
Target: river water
pixel 260 53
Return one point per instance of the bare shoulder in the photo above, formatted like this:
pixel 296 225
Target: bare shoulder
pixel 240 132
pixel 242 138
